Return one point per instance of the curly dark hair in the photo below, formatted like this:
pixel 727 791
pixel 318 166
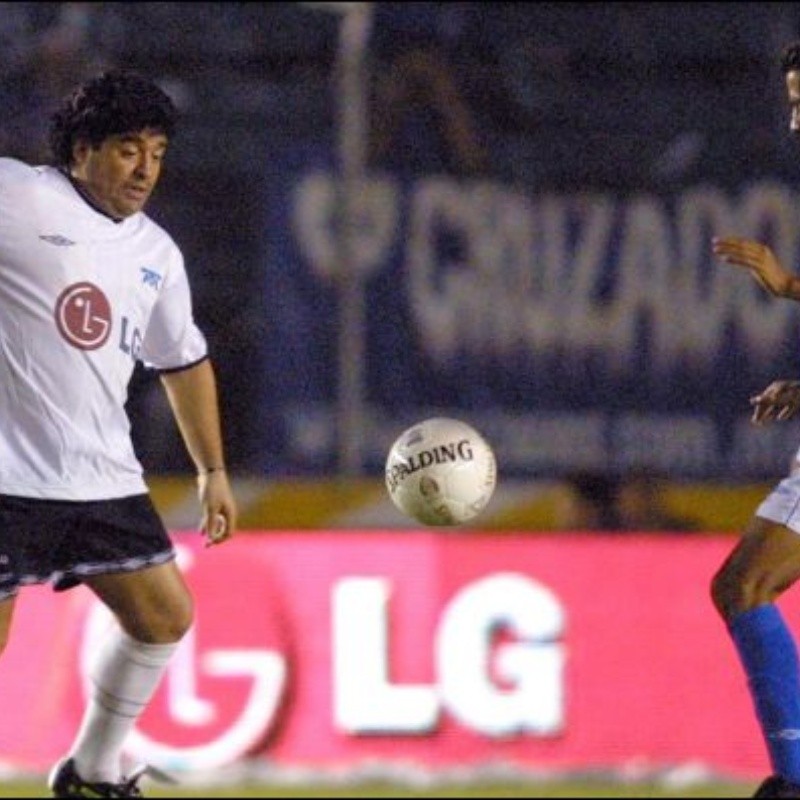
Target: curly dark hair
pixel 790 57
pixel 113 103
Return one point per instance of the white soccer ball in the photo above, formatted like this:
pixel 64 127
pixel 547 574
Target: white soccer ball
pixel 441 472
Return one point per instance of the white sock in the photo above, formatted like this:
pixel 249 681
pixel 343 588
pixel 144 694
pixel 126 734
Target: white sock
pixel 125 678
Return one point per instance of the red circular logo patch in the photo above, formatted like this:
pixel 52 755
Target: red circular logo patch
pixel 83 316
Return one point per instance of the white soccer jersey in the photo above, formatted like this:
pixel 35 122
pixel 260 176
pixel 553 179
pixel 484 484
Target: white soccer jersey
pixel 81 298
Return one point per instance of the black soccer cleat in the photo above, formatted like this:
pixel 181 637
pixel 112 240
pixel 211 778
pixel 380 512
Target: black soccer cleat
pixel 776 786
pixel 65 782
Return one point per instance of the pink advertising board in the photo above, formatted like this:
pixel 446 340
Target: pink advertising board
pixel 336 649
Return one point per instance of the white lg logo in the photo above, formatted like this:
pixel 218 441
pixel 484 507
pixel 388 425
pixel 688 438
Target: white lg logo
pixel 365 701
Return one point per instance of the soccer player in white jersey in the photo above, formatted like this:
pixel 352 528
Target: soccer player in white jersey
pixel 766 560
pixel 88 285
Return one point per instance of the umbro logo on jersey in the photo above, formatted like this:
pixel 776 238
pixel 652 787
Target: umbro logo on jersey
pixel 150 277
pixel 58 239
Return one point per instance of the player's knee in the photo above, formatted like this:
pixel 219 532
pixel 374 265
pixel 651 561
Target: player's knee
pixel 164 626
pixel 723 592
pixel 177 626
pixel 735 592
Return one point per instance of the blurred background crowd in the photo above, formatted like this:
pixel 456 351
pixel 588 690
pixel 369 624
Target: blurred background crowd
pixel 522 107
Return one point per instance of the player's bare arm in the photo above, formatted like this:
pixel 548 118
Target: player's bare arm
pixel 761 262
pixel 193 397
pixel 779 401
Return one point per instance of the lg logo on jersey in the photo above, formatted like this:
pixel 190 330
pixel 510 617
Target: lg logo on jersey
pixel 130 339
pixel 83 318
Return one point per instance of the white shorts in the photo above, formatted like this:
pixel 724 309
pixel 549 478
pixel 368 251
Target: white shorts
pixel 782 504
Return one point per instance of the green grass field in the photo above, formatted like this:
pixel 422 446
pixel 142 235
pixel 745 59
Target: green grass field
pixel 478 789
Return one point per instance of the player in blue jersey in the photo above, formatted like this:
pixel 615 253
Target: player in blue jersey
pixel 89 284
pixel 766 560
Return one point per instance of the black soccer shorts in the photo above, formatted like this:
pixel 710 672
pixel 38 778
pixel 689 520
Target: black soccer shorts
pixel 65 541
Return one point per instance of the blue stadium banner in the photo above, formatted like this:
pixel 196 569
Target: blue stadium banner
pixel 576 331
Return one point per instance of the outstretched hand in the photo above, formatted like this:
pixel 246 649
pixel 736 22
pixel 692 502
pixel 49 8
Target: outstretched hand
pixel 779 401
pixel 758 259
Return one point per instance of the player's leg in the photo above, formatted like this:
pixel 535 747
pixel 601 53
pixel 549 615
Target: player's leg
pixel 6 616
pixel 153 605
pixel 764 563
pixel 154 610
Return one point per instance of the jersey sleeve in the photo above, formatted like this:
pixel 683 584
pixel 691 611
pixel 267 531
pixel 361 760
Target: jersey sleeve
pixel 172 339
pixel 13 173
pixel 11 170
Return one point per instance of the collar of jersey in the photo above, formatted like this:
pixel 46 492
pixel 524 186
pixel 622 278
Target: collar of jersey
pixel 87 198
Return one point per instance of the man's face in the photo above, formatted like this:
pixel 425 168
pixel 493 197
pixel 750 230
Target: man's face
pixel 122 172
pixel 793 93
